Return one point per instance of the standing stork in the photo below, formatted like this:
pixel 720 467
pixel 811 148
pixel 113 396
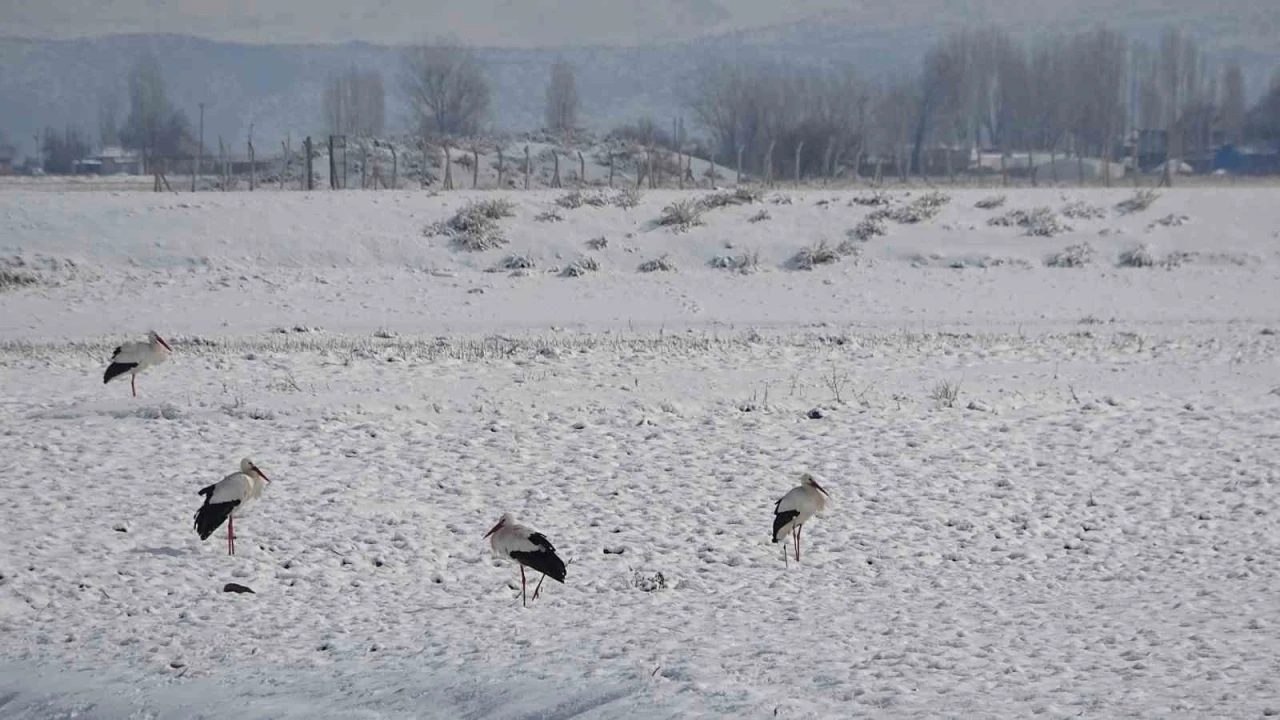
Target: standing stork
pixel 134 357
pixel 526 547
pixel 795 508
pixel 224 497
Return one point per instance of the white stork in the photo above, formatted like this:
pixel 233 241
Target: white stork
pixel 224 497
pixel 526 547
pixel 134 357
pixel 795 508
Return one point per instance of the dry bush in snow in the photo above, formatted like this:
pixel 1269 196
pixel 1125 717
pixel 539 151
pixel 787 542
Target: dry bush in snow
pixel 681 215
pixel 990 203
pixel 552 215
pixel 1139 201
pixel 1072 256
pixel 1170 220
pixel 1081 210
pixel 945 393
pixel 475 226
pixel 746 263
pixel 869 227
pixel 662 264
pixel 760 217
pixel 15 279
pixel 580 267
pixel 515 262
pixel 878 198
pixel 599 243
pixel 1043 222
pixel 628 198
pixel 740 196
pixel 817 254
pixel 571 200
pixel 1139 256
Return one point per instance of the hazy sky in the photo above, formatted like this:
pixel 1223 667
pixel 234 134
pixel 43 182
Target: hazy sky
pixel 524 23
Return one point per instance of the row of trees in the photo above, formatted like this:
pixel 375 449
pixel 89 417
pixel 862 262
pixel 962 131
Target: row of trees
pixel 980 88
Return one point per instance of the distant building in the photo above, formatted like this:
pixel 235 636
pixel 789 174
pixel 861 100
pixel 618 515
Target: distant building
pixel 111 161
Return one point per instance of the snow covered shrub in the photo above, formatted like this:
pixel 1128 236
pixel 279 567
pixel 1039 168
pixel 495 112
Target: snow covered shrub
pixel 1139 256
pixel 580 267
pixel 515 262
pixel 1170 220
pixel 781 199
pixel 933 200
pixel 814 255
pixel 739 196
pixel 571 201
pixel 549 216
pixel 1081 210
pixel 661 264
pixel 1013 218
pixel 1177 258
pixel 760 217
pixel 14 279
pixel 869 227
pixel 475 226
pixel 920 210
pixel 1139 201
pixel 945 393
pixel 879 198
pixel 628 198
pixel 681 215
pixel 746 263
pixel 599 243
pixel 648 582
pixel 990 203
pixel 1042 222
pixel 1072 256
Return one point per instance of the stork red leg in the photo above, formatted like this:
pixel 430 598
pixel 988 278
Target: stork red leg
pixel 231 534
pixel 535 590
pixel 133 384
pixel 798 529
pixel 523 600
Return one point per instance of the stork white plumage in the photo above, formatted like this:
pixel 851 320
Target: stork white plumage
pixel 527 548
pixel 134 357
pixel 224 497
pixel 795 508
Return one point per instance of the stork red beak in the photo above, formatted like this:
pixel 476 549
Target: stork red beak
pixel 165 344
pixel 820 488
pixel 493 529
pixel 261 474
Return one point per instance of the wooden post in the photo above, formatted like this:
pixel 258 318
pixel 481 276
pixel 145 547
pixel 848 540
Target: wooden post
pixel 1106 167
pixel 649 162
pixel 738 181
pixel 501 168
pixel 448 168
pixel 826 161
pixel 879 176
pixel 799 149
pixel 555 176
pixel 768 164
pixel 364 166
pixel 253 166
pixel 526 167
pixel 311 185
pixel 610 170
pixel 475 167
pixel 193 173
pixel 345 184
pixel 1133 158
pixel 582 169
pixel 395 166
pixel 680 164
pixel 333 167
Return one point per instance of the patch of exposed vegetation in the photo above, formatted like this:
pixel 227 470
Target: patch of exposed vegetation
pixel 681 215
pixel 1139 201
pixel 1072 256
pixel 661 264
pixel 991 203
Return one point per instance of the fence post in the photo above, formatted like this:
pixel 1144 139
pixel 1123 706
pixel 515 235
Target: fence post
pixel 475 167
pixel 448 168
pixel 526 167
pixel 311 185
pixel 395 167
pixel 799 148
pixel 333 166
pixel 611 170
pixel 738 182
pixel 501 168
pixel 253 166
pixel 582 169
pixel 555 176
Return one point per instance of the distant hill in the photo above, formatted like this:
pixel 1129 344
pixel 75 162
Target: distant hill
pixel 278 88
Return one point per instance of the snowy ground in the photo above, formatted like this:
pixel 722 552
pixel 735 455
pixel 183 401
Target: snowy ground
pixel 1087 529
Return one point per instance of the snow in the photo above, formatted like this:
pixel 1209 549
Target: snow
pixel 1087 527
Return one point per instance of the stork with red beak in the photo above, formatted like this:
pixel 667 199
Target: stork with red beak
pixel 527 548
pixel 795 508
pixel 134 357
pixel 224 497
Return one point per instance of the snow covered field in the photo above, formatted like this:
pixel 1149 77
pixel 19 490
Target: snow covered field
pixel 1055 489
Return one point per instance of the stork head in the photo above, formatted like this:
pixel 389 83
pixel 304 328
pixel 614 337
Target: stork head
pixel 248 468
pixel 807 479
pixel 155 338
pixel 506 519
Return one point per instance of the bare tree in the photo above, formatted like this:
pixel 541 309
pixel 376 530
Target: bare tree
pixel 446 89
pixel 1233 103
pixel 108 119
pixel 562 98
pixel 355 103
pixel 62 150
pixel 153 126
